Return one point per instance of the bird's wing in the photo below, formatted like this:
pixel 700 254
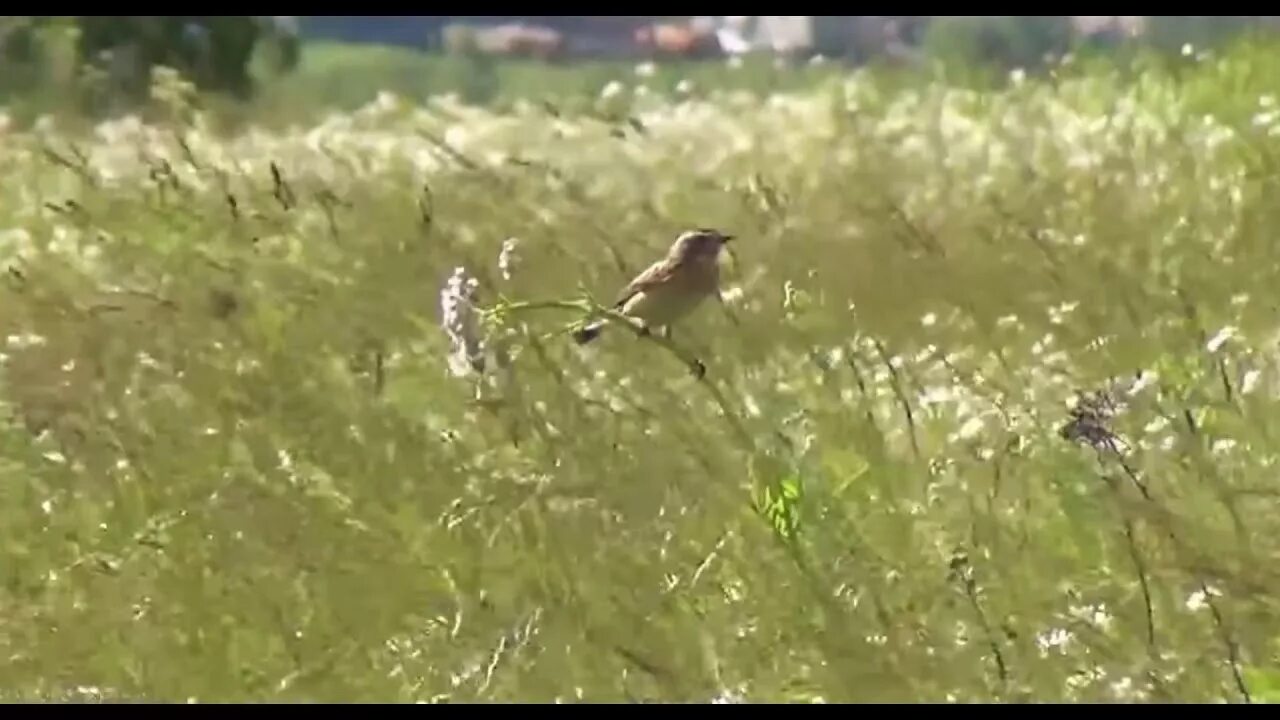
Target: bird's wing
pixel 655 274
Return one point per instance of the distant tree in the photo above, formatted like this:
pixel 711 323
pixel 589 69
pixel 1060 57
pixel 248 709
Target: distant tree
pixel 1002 40
pixel 213 52
pixel 17 39
pixel 33 50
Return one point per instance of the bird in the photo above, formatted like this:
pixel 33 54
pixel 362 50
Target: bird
pixel 672 287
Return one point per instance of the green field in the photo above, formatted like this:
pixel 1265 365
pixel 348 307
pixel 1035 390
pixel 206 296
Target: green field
pixel 347 76
pixel 243 462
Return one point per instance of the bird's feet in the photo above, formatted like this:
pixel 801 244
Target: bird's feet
pixel 698 369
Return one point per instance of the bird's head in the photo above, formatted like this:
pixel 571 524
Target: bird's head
pixel 700 243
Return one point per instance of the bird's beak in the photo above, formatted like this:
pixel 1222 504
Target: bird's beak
pixel 724 239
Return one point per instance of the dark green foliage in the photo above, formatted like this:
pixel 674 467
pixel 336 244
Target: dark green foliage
pixel 212 51
pixel 110 58
pixel 1003 40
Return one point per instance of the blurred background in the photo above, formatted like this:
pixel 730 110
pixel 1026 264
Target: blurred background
pixel 288 68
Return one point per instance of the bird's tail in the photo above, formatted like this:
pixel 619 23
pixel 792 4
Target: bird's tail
pixel 588 333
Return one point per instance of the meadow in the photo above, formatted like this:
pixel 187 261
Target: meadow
pixel 291 414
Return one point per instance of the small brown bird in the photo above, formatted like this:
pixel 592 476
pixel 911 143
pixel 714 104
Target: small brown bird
pixel 671 287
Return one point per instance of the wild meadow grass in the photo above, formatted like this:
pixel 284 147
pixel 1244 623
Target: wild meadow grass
pixel 989 410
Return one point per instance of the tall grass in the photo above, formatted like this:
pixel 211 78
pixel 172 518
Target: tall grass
pixel 987 416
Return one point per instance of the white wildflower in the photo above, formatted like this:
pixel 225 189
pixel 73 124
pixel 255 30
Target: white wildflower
pixel 459 321
pixel 386 101
pixel 937 394
pixel 1199 599
pixel 1144 381
pixel 15 242
pixel 1058 313
pixel 25 340
pixel 457 136
pixel 1250 382
pixel 788 295
pixel 728 697
pixel 970 429
pixel 611 90
pixel 1221 338
pixel 1056 639
pixel 1095 614
pixel 507 258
